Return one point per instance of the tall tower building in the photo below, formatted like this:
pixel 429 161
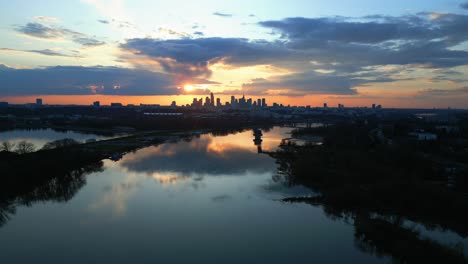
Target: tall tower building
pixel 39 101
pixel 212 100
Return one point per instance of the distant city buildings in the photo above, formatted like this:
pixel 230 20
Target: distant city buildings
pixel 235 103
pixel 258 106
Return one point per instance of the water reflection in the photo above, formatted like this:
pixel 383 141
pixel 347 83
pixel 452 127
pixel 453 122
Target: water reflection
pixel 212 198
pixel 206 155
pixel 39 137
pixel 258 140
pixel 44 187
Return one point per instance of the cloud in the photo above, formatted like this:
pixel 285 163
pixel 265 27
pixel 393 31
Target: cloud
pixel 173 33
pixel 192 57
pixel 197 157
pixel 72 80
pixel 458 92
pixel 103 21
pixel 424 39
pixel 88 42
pixel 3 67
pixel 46 19
pixel 301 84
pixel 329 55
pixel 312 32
pixel 44 32
pixel 222 14
pixel 464 5
pixel 46 52
pixel 38 30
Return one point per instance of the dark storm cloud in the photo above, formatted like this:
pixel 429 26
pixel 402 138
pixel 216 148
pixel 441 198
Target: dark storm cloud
pixel 73 80
pixel 222 14
pixel 41 31
pixel 196 157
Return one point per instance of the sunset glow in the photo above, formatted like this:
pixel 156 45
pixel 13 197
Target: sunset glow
pixel 188 88
pixel 285 53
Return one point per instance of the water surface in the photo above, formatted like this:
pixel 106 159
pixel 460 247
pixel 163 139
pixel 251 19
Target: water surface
pixel 212 199
pixel 39 137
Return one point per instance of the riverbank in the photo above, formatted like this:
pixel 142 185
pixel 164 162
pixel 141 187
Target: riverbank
pixel 381 186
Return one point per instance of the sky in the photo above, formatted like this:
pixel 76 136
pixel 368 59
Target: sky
pixel 297 52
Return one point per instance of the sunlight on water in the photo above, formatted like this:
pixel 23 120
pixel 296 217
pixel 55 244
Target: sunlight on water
pixel 212 199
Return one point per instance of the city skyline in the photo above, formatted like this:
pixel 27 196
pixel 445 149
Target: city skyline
pixel 402 55
pixel 209 102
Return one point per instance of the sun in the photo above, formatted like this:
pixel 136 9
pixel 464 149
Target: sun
pixel 188 87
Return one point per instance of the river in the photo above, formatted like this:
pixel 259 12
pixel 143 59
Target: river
pixel 211 199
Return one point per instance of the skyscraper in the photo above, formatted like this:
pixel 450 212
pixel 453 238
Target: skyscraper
pixel 212 100
pixel 39 101
pixel 264 102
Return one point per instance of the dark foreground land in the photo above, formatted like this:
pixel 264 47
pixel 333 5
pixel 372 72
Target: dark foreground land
pixel 371 173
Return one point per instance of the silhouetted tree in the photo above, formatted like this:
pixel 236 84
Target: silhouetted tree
pixel 24 147
pixel 61 143
pixel 7 146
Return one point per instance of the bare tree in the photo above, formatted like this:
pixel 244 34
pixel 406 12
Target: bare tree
pixel 24 147
pixel 7 146
pixel 61 143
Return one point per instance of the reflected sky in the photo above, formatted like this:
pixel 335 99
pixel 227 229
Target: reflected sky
pixel 39 137
pixel 210 200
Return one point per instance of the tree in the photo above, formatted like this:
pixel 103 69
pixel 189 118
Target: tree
pixel 24 147
pixel 7 146
pixel 61 143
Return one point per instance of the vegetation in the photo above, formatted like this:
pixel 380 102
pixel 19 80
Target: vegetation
pixel 61 143
pixel 7 146
pixel 358 175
